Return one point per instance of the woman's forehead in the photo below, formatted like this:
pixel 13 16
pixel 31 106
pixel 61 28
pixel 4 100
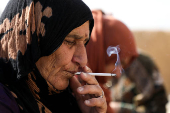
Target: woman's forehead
pixel 81 31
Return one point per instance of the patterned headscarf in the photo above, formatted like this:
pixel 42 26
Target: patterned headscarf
pixel 30 29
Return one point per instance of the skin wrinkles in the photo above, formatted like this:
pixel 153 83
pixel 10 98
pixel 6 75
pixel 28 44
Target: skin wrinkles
pixel 69 58
pixel 75 36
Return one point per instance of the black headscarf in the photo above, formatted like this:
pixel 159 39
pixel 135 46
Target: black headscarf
pixel 30 29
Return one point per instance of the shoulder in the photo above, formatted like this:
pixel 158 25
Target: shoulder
pixel 7 101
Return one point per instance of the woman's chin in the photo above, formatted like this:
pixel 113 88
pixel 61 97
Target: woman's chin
pixel 59 86
pixel 62 86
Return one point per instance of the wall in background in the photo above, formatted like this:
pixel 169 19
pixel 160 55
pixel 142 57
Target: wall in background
pixel 157 45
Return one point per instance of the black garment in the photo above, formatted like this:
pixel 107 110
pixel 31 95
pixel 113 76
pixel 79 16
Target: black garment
pixel 7 101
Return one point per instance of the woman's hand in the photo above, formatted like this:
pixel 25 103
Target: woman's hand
pixel 90 96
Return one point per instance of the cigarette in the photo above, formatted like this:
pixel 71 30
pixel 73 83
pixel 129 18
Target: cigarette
pixel 98 74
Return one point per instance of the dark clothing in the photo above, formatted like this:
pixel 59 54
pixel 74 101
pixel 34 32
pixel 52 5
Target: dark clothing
pixel 7 101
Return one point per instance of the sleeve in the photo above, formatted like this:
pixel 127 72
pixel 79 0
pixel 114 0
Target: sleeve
pixel 7 101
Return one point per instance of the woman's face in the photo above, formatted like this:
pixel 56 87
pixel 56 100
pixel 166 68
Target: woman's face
pixel 61 65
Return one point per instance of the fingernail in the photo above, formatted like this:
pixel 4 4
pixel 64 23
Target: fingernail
pixel 84 74
pixel 87 101
pixel 80 89
pixel 86 67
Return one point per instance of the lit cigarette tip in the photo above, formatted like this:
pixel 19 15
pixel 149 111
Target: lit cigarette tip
pixel 98 74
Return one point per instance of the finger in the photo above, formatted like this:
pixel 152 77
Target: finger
pixel 80 80
pixel 87 69
pixel 74 84
pixel 99 103
pixel 89 79
pixel 91 89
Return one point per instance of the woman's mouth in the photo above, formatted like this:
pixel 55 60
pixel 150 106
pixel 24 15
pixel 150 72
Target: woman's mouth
pixel 72 73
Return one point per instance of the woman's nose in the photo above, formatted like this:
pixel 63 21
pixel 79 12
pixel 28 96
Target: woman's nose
pixel 80 55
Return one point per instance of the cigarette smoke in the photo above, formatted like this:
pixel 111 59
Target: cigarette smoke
pixel 115 50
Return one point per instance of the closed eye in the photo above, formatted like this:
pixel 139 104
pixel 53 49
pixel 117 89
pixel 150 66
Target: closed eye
pixel 86 40
pixel 69 43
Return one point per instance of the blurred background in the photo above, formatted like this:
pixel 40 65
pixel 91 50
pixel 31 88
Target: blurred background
pixel 149 20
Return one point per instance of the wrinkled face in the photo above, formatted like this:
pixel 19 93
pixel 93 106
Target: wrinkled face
pixel 61 65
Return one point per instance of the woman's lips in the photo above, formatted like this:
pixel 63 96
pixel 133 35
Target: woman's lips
pixel 72 72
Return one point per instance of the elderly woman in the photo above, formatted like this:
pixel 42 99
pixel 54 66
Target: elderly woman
pixel 42 46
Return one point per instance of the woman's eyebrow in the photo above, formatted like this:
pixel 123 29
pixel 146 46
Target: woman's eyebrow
pixel 75 36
